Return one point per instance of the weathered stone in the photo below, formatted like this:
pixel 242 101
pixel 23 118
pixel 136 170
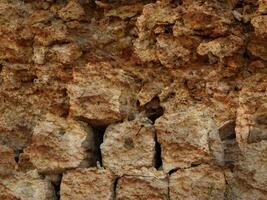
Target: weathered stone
pixel 101 94
pixel 65 54
pixel 142 187
pixel 72 11
pixel 201 182
pixel 26 186
pixel 240 190
pixel 252 112
pixel 7 162
pixel 129 145
pixel 88 183
pixel 59 144
pixel 252 167
pixel 184 136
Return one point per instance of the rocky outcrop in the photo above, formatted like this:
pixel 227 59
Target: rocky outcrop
pixel 138 99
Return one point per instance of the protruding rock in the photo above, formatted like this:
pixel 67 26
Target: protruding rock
pixel 28 186
pixel 87 184
pixel 142 187
pixel 129 145
pixel 59 144
pixel 184 136
pixel 201 182
pixel 101 94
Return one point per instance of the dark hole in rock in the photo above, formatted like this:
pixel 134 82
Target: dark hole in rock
pixel 262 119
pixel 98 139
pixel 128 143
pixel 17 154
pixel 153 110
pixel 158 159
pixel 257 135
pixel 227 130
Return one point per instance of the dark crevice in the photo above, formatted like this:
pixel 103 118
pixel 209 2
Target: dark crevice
pixel 98 139
pixel 17 154
pixel 152 109
pixel 57 188
pixel 115 187
pixel 158 159
pixel 173 171
pixel 231 149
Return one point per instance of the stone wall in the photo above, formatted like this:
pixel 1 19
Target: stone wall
pixel 133 100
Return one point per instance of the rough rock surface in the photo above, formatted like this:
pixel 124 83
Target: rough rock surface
pixel 132 187
pixel 129 145
pixel 201 182
pixel 59 144
pixel 185 137
pixel 7 161
pixel 79 79
pixel 87 184
pixel 29 186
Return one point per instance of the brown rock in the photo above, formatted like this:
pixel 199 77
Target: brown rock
pixel 72 11
pixel 129 145
pixel 65 54
pixel 7 162
pixel 201 182
pixel 252 111
pixel 26 186
pixel 101 94
pixel 184 136
pixel 142 187
pixel 59 144
pixel 87 184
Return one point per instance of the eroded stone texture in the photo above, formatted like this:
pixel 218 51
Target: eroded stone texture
pixel 102 94
pixel 201 182
pixel 59 144
pixel 184 137
pixel 87 184
pixel 7 161
pixel 129 145
pixel 26 186
pixel 252 111
pixel 142 187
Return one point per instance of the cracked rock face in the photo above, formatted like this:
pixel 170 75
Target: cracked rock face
pixel 129 145
pixel 87 184
pixel 137 99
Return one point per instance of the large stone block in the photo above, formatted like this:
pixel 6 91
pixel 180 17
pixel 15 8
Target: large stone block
pixel 202 182
pixel 91 183
pixel 129 145
pixel 26 186
pixel 185 137
pixel 142 187
pixel 101 94
pixel 59 144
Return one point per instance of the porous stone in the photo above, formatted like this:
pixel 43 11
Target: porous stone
pixel 129 145
pixel 59 144
pixel 26 186
pixel 102 94
pixel 142 187
pixel 201 182
pixel 184 137
pixel 90 183
pixel 8 164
